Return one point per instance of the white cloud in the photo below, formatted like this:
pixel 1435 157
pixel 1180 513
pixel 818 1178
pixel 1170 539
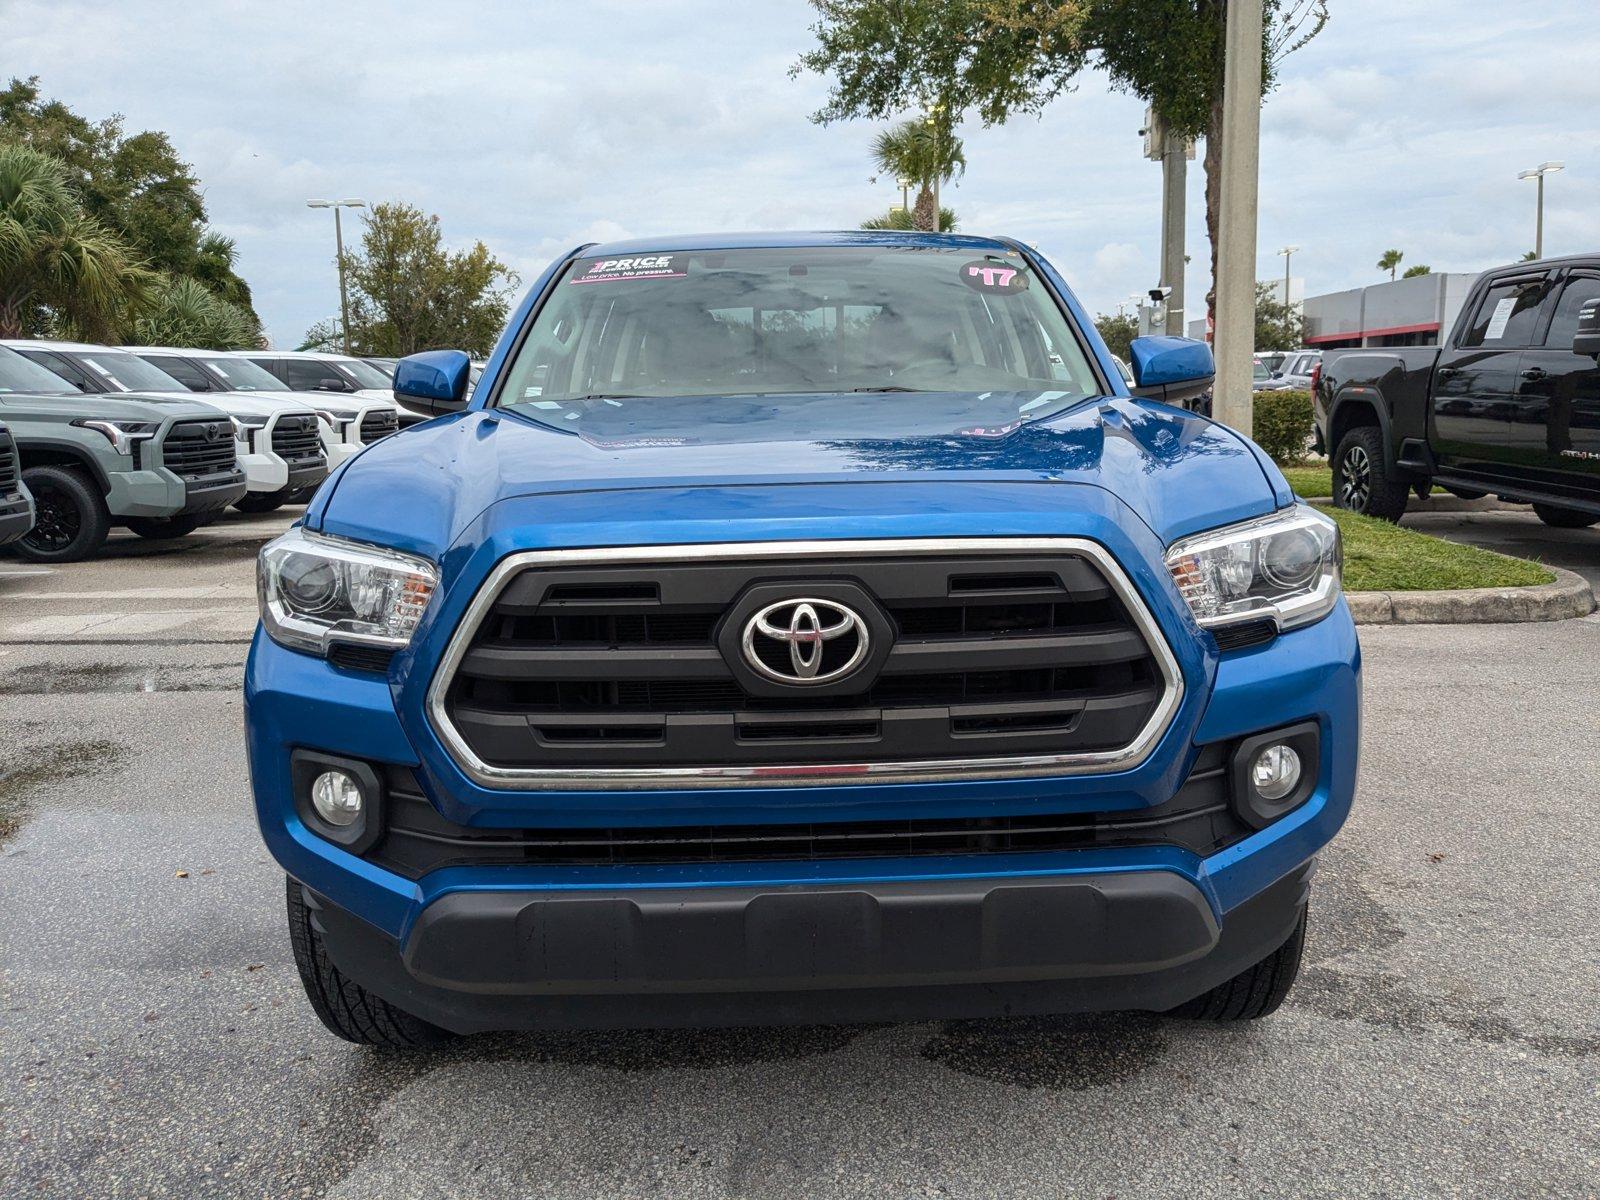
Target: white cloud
pixel 535 127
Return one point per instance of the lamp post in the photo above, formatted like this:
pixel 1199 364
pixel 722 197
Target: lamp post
pixel 1539 173
pixel 1236 234
pixel 1288 253
pixel 338 241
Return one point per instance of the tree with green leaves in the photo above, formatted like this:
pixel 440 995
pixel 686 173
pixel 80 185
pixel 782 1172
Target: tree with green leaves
pixel 996 59
pixel 1279 326
pixel 1118 331
pixel 901 218
pixel 134 185
pixel 61 270
pixel 184 312
pixel 1419 269
pixel 1530 256
pixel 408 293
pixel 1390 262
pixel 924 153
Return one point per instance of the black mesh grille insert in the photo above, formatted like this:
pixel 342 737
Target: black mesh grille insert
pixel 295 439
pixel 195 448
pixel 418 840
pixel 9 472
pixel 377 425
pixel 629 666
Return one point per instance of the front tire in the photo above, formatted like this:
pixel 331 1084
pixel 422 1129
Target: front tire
pixel 347 1009
pixel 1564 518
pixel 1254 992
pixel 72 520
pixel 161 528
pixel 1359 482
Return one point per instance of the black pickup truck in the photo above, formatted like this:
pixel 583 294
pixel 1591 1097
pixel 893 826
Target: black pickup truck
pixel 1509 406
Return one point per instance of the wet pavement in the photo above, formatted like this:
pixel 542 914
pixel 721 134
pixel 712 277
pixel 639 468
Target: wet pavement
pixel 154 1041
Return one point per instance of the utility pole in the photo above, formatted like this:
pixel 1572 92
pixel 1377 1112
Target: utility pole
pixel 1288 252
pixel 1539 173
pixel 1173 153
pixel 338 241
pixel 1236 241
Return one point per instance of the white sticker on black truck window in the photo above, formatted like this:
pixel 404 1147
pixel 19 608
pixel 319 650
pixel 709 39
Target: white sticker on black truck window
pixel 1500 319
pixel 637 266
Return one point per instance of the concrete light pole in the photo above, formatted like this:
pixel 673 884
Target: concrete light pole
pixel 1236 241
pixel 1539 173
pixel 1288 252
pixel 1173 153
pixel 338 241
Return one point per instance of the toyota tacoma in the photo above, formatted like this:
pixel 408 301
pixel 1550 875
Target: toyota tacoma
pixel 800 628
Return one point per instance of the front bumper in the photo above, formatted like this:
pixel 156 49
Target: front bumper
pixel 16 516
pixel 158 492
pixel 267 473
pixel 913 950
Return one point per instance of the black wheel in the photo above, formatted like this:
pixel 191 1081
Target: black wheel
pixel 344 1006
pixel 72 519
pixel 157 528
pixel 1254 992
pixel 261 502
pixel 1564 518
pixel 1359 481
pixel 1462 493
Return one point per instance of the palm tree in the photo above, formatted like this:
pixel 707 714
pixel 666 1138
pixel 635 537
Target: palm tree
pixel 184 312
pixel 901 218
pixel 1390 262
pixel 925 153
pixel 60 269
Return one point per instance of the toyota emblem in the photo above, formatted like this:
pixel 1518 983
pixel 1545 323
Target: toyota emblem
pixel 805 641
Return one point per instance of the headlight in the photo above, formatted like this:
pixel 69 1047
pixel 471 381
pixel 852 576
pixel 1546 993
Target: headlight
pixel 1285 566
pixel 317 590
pixel 121 434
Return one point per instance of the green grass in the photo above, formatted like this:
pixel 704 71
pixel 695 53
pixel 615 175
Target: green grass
pixel 1380 557
pixel 1310 482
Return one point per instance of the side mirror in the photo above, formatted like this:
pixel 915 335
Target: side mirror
pixel 1586 341
pixel 435 380
pixel 332 384
pixel 1173 369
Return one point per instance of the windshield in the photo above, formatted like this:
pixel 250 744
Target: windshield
pixel 17 374
pixel 242 375
pixel 634 332
pixel 128 372
pixel 363 375
pixel 1261 371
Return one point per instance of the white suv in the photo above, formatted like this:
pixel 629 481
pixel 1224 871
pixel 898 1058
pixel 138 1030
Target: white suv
pixel 315 371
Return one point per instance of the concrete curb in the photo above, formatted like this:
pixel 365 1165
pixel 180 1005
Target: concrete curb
pixel 1569 596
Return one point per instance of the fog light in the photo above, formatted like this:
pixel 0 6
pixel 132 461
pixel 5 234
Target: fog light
pixel 337 798
pixel 1274 773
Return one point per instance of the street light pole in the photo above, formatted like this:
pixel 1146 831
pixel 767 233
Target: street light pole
pixel 338 241
pixel 1288 252
pixel 1539 173
pixel 1236 238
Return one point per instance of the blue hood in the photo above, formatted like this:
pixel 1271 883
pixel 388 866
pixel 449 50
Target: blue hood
pixel 1177 472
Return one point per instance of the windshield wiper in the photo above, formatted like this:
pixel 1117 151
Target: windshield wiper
pixel 891 387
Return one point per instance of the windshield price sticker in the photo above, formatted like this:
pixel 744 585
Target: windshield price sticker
pixel 986 275
pixel 642 266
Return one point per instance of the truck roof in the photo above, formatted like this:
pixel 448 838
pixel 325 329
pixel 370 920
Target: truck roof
pixel 797 238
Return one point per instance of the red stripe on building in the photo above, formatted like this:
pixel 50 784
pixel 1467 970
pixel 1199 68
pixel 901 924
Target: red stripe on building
pixel 1389 331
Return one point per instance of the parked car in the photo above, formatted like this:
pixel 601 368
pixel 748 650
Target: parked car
pixel 1261 376
pixel 348 423
pixel 1294 372
pixel 158 464
pixel 1271 359
pixel 16 502
pixel 278 442
pixel 386 365
pixel 314 371
pixel 808 648
pixel 1508 406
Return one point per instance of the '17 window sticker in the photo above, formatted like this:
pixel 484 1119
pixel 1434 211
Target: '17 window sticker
pixel 987 275
pixel 640 266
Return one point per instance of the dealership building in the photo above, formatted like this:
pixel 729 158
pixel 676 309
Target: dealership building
pixel 1403 312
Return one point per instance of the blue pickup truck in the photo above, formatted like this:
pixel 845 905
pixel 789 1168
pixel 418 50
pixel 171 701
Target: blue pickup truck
pixel 800 628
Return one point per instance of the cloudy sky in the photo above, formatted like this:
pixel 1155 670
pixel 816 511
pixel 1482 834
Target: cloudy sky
pixel 535 126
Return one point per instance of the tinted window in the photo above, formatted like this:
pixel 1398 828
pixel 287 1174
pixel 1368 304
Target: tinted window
pixel 242 375
pixel 117 370
pixel 186 373
pixel 309 375
pixel 59 367
pixel 21 374
pixel 1508 314
pixel 1564 324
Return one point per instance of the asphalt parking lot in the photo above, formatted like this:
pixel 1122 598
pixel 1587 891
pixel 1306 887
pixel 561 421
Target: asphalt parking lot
pixel 1444 1039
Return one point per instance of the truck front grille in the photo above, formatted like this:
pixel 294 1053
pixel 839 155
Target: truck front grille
pixel 997 663
pixel 196 448
pixel 295 439
pixel 10 472
pixel 377 425
pixel 418 840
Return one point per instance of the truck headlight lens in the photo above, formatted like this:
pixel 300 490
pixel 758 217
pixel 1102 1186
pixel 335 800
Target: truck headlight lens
pixel 317 590
pixel 1286 567
pixel 121 434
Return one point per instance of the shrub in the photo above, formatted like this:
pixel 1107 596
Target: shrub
pixel 1282 425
